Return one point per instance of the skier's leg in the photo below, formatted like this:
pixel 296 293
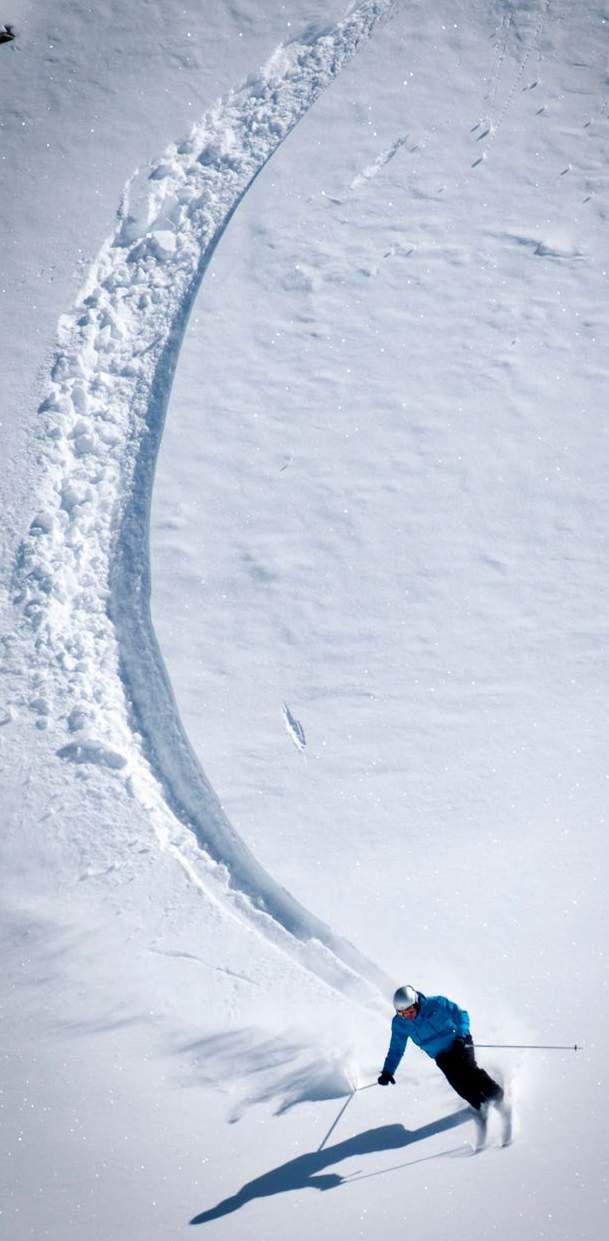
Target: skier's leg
pixel 474 1084
pixel 456 1067
pixel 490 1090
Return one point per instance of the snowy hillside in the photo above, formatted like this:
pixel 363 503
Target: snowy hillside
pixel 304 621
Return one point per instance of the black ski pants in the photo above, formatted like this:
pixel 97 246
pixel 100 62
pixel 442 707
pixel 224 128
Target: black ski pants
pixel 459 1067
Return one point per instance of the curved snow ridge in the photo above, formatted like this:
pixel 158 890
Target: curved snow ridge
pixel 83 577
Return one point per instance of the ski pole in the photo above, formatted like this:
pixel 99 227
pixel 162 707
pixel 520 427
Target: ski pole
pixel 536 1046
pixel 342 1112
pixel 333 1126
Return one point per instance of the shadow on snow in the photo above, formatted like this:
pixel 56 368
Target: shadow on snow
pixel 304 1171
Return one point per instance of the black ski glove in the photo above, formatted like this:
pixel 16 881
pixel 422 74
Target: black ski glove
pixel 385 1078
pixel 464 1040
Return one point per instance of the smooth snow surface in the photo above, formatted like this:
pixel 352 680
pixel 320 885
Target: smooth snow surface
pixel 345 411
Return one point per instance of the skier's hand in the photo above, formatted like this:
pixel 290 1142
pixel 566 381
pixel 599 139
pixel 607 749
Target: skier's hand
pixel 385 1078
pixel 464 1040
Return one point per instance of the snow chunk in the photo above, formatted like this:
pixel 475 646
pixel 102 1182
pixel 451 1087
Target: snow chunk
pixel 163 243
pixel 164 170
pixel 42 523
pixel 221 149
pixel 78 719
pixel 92 752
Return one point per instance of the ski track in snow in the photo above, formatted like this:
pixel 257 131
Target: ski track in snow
pixel 372 170
pixel 82 575
pixel 526 42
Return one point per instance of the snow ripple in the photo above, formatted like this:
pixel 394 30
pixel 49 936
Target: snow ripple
pixel 82 575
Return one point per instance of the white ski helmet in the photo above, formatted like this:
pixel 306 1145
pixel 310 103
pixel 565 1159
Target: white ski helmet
pixel 405 997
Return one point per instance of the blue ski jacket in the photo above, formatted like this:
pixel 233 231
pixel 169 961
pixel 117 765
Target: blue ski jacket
pixel 436 1026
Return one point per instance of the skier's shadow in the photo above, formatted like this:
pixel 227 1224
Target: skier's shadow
pixel 304 1171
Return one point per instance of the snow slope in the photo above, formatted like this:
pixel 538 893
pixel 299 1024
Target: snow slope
pixel 377 537
pixel 82 579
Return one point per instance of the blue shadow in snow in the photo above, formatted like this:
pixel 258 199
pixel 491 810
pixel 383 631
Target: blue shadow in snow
pixel 304 1171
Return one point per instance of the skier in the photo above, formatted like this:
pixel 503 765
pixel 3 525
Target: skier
pixel 441 1029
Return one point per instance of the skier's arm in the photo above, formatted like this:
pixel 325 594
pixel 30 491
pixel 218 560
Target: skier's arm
pixel 460 1019
pixel 397 1047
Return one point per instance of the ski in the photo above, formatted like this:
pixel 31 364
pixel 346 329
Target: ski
pixel 481 1134
pixel 506 1114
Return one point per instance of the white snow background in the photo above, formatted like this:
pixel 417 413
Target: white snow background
pixel 335 282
